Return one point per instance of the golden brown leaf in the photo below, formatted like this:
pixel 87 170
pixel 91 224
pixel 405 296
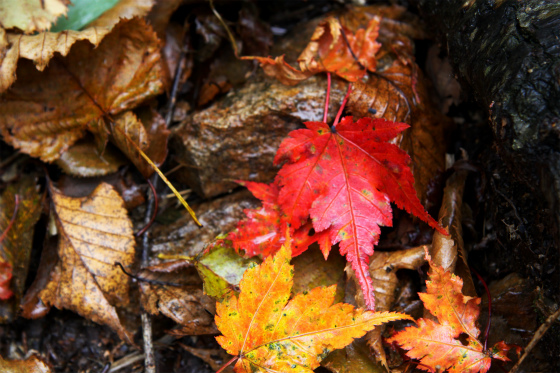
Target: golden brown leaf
pixel 15 249
pixel 43 114
pixel 94 233
pixel 31 15
pixel 83 159
pixel 32 364
pixel 268 333
pixel 354 358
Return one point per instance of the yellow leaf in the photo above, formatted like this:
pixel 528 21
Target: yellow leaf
pixel 32 364
pixel 95 232
pixel 270 333
pixel 31 15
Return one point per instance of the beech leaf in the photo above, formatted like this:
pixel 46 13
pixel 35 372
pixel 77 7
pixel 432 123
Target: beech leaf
pixel 94 233
pixel 437 345
pixel 269 332
pixel 45 113
pixel 31 15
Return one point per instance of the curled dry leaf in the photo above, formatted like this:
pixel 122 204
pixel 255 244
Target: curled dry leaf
pixel 41 48
pixel 45 113
pixel 31 15
pixel 269 332
pixel 33 364
pixel 333 48
pixel 15 248
pixel 94 233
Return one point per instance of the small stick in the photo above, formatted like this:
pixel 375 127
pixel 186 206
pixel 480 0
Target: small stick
pixel 487 330
pixel 12 220
pixel 154 214
pixel 538 335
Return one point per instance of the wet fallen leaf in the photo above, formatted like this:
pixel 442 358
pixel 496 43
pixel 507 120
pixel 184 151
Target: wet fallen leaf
pixel 31 15
pixel 94 233
pixel 354 358
pixel 15 249
pixel 269 333
pixel 5 279
pixel 83 159
pixel 383 270
pixel 178 295
pixel 150 135
pixel 44 113
pixel 333 48
pixel 449 251
pixel 32 364
pixel 216 358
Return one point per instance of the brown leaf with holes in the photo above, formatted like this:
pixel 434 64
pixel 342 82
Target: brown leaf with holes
pixel 44 113
pixel 94 233
pixel 15 248
pixel 32 364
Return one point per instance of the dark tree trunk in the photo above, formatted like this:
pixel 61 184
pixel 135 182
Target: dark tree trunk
pixel 508 53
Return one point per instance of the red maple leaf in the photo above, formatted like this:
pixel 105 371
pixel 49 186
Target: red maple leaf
pixel 263 230
pixel 344 176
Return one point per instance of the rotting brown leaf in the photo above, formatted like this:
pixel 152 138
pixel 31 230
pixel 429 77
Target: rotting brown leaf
pixel 43 114
pixel 31 15
pixel 353 358
pixel 150 134
pixel 33 364
pixel 178 295
pixel 94 233
pixel 16 246
pixel 83 159
pixel 383 270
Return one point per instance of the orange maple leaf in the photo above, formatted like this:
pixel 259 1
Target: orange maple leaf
pixel 437 345
pixel 270 333
pixel 333 48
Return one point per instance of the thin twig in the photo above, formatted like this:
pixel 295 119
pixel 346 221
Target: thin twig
pixel 154 213
pixel 175 87
pixel 538 335
pixel 487 330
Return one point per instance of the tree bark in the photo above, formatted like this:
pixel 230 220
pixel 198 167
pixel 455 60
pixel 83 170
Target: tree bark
pixel 508 53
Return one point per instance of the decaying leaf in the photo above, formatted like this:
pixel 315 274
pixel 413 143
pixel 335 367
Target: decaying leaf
pixel 32 364
pixel 83 159
pixel 94 233
pixel 176 292
pixel 15 248
pixel 354 358
pixel 41 48
pixel 438 345
pixel 333 48
pixel 31 15
pixel 269 332
pixel 44 113
pixel 5 279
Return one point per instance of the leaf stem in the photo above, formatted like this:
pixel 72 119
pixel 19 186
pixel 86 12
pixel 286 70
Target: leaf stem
pixel 233 360
pixel 342 106
pixel 154 213
pixel 487 329
pixel 326 111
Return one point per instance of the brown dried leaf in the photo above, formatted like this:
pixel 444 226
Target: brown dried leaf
pixel 45 113
pixel 383 270
pixel 353 358
pixel 31 15
pixel 216 358
pixel 449 252
pixel 40 48
pixel 32 364
pixel 94 233
pixel 15 249
pixel 84 160
pixel 178 295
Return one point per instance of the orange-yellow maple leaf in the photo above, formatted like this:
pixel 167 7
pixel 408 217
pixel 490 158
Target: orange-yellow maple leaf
pixel 437 345
pixel 268 332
